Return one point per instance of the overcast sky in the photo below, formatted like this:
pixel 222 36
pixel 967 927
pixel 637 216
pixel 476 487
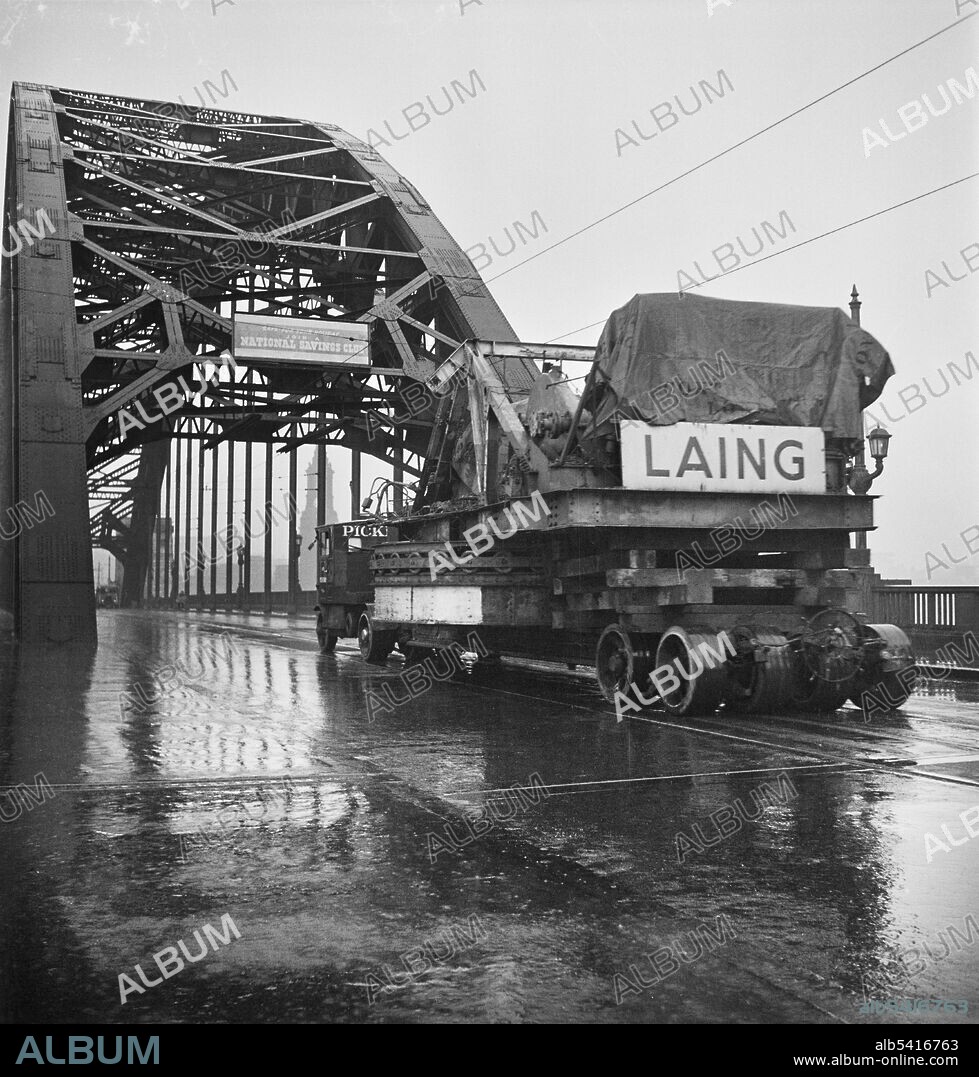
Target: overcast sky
pixel 560 125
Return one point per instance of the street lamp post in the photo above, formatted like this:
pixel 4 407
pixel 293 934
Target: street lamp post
pixel 859 479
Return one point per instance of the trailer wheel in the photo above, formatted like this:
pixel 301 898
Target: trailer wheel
pixel 890 689
pixel 890 644
pixel 326 639
pixel 817 694
pixel 828 657
pixel 700 688
pixel 621 662
pixel 813 696
pixel 375 646
pixel 761 677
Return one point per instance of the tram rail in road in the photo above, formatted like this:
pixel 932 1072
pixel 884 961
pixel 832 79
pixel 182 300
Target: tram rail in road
pixel 733 728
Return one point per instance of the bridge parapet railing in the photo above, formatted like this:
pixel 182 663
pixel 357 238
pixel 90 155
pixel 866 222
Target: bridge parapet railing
pixel 933 617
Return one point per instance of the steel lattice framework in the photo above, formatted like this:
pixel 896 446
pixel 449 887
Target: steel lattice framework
pixel 164 225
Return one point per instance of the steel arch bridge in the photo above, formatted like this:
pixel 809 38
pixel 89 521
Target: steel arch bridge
pixel 136 229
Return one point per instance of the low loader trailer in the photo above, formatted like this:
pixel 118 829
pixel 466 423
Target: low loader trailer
pixel 693 523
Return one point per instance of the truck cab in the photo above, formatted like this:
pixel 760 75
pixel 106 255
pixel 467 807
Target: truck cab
pixel 343 579
pixel 107 596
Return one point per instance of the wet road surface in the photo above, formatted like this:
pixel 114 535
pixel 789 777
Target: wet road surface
pixel 376 863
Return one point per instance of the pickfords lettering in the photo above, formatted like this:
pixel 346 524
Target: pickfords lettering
pixel 365 531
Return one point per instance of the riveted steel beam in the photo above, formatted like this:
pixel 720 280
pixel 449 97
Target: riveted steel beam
pixel 177 222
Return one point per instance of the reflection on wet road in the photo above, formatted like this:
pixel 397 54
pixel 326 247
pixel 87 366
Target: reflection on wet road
pixel 411 867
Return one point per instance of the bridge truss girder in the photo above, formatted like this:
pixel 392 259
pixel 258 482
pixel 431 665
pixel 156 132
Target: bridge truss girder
pixel 164 227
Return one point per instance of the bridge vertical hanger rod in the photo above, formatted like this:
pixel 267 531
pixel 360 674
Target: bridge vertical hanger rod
pixel 159 535
pixel 174 582
pixel 149 579
pixel 398 473
pixel 267 606
pixel 187 521
pixel 293 606
pixel 167 528
pixel 153 578
pixel 321 480
pixel 246 585
pixel 229 542
pixel 200 523
pixel 214 528
pixel 355 509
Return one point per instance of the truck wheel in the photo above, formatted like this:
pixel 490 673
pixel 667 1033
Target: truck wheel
pixel 327 639
pixel 375 646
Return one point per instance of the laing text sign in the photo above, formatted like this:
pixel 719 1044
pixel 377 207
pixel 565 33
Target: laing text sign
pixel 723 458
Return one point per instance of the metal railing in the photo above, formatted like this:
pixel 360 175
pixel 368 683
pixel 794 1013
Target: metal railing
pixel 932 616
pixel 926 607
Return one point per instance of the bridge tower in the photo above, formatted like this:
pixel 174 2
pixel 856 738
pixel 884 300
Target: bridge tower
pixel 46 584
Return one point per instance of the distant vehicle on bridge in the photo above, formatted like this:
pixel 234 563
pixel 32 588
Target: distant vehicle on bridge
pixel 107 596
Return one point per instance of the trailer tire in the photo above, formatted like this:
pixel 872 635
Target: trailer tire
pixel 813 696
pixel 622 661
pixel 827 660
pixel 760 687
pixel 701 693
pixel 892 686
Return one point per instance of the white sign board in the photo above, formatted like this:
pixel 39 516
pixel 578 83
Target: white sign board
pixel 300 340
pixel 365 531
pixel 723 458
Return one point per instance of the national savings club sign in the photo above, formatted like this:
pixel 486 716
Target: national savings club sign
pixel 301 340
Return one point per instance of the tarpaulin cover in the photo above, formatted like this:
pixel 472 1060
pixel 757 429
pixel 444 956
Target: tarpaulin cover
pixel 793 366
